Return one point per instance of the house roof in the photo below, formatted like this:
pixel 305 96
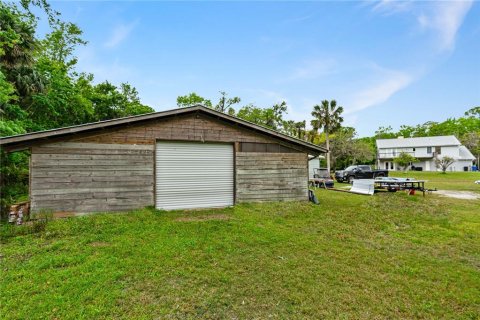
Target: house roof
pixel 465 154
pixel 436 141
pixel 23 141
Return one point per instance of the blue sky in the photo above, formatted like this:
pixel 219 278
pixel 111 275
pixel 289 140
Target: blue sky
pixel 387 62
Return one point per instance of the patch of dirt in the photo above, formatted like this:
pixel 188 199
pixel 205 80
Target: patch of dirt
pixel 204 218
pixel 467 195
pixel 99 244
pixel 63 214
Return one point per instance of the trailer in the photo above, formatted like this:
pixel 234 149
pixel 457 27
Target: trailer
pixel 393 184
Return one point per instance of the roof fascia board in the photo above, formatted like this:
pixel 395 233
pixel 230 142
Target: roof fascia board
pixel 23 141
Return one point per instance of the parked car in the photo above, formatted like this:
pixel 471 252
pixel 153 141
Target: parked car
pixel 321 178
pixel 359 172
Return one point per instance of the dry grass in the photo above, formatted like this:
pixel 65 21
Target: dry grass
pixel 209 217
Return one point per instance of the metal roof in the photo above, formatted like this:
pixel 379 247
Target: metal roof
pixel 465 154
pixel 436 141
pixel 22 141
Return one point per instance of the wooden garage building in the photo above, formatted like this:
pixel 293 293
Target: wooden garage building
pixel 184 158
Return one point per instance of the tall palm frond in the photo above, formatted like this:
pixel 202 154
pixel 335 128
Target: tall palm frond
pixel 327 116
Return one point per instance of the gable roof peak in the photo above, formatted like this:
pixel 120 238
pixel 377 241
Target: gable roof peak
pixel 23 141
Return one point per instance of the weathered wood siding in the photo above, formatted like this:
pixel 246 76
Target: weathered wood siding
pixel 187 128
pixel 271 176
pixel 113 169
pixel 86 177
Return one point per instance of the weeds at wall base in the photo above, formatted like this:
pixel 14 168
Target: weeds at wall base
pixel 35 224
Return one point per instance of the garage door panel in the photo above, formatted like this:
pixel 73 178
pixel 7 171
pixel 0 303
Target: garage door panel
pixel 198 186
pixel 194 175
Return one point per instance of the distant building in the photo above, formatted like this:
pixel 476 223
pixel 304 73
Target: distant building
pixel 426 150
pixel 314 163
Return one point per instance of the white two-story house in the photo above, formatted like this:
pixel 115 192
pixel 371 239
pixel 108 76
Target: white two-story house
pixel 425 150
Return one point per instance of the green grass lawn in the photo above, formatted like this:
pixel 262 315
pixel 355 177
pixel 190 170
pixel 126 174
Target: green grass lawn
pixel 463 181
pixel 383 256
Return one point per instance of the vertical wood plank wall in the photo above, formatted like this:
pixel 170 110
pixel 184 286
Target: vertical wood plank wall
pixel 113 169
pixel 271 176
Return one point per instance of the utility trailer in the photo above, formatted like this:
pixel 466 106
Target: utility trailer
pixel 393 184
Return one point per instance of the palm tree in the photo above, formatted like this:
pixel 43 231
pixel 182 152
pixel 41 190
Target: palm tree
pixel 20 44
pixel 329 117
pixel 300 129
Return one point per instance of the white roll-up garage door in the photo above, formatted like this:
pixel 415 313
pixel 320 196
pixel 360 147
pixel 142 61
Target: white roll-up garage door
pixel 194 175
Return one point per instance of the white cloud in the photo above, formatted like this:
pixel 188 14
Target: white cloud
pixel 351 120
pixel 445 19
pixel 120 33
pixel 441 20
pixel 391 6
pixel 273 95
pixel 263 97
pixel 388 84
pixel 313 69
pixel 111 70
pixel 298 114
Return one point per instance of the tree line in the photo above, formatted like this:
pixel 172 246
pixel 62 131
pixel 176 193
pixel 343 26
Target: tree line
pixel 41 89
pixel 324 127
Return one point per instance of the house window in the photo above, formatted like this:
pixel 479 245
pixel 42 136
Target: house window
pixel 429 149
pixel 413 149
pixel 438 150
pixel 391 165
